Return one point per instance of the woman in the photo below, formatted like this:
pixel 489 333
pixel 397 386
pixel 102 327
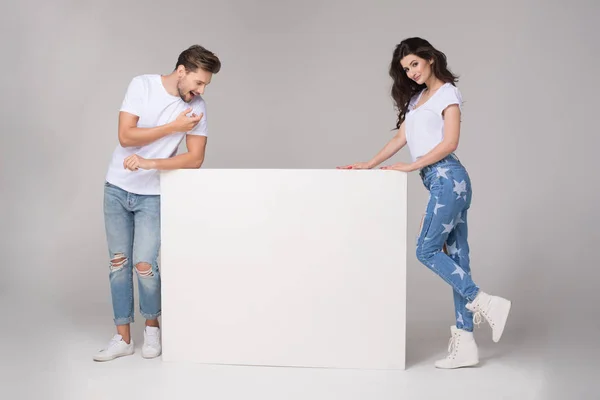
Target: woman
pixel 429 110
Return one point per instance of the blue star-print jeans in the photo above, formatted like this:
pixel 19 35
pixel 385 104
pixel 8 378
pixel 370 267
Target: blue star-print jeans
pixel 445 222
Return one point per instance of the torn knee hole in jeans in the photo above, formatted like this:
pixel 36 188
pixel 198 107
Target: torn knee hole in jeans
pixel 144 270
pixel 117 262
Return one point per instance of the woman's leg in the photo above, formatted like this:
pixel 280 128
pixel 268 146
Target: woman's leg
pixel 449 196
pixel 458 249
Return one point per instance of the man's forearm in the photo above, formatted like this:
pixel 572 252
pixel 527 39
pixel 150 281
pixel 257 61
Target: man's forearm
pixel 135 137
pixel 181 161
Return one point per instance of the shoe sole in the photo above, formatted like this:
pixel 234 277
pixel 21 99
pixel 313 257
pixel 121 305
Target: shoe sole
pixel 149 357
pixel 99 359
pixel 505 306
pixel 465 365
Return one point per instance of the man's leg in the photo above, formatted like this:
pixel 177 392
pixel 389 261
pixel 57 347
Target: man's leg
pixel 146 246
pixel 118 222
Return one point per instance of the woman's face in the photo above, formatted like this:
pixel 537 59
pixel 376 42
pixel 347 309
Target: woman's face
pixel 418 69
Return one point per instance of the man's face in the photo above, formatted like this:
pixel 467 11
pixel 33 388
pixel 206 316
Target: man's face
pixel 192 84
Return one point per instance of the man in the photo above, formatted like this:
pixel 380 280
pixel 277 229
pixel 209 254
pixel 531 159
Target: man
pixel 157 113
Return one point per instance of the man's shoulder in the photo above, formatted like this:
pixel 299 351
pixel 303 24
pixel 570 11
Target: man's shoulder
pixel 143 85
pixel 145 79
pixel 198 102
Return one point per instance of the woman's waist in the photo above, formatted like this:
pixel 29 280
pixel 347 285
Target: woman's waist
pixel 451 161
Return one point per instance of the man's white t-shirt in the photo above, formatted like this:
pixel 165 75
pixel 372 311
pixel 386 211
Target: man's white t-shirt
pixel 425 124
pixel 147 98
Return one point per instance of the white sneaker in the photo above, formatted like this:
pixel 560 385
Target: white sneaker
pixel 494 309
pixel 151 347
pixel 115 348
pixel 462 350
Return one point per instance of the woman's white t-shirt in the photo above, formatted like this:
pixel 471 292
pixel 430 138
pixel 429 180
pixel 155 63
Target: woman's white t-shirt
pixel 425 124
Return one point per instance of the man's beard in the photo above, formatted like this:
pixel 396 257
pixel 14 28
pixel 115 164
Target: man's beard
pixel 182 95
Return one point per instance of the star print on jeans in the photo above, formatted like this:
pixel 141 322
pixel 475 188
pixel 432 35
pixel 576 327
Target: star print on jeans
pixel 453 250
pixel 448 227
pixel 459 188
pixel 441 172
pixel 437 205
pixel 459 319
pixel 459 271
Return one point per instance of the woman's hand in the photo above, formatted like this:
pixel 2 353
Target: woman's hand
pixel 401 167
pixel 360 165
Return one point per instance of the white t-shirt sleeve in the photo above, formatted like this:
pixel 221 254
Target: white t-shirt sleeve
pixel 451 95
pixel 133 102
pixel 202 127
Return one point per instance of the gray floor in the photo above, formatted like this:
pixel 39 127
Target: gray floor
pixel 47 350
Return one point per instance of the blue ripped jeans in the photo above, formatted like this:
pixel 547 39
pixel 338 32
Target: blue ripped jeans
pixel 445 222
pixel 132 224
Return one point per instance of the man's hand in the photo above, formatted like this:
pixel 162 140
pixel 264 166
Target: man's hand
pixel 135 162
pixel 400 167
pixel 183 123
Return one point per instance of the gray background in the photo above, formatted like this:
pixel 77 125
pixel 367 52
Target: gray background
pixel 305 85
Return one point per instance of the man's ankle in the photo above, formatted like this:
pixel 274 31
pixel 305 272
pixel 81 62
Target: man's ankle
pixel 152 323
pixel 125 332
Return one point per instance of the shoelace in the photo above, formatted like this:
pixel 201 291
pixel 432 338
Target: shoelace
pixel 477 318
pixel 113 342
pixel 451 344
pixel 152 340
pixel 478 315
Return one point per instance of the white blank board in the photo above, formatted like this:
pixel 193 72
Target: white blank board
pixel 284 267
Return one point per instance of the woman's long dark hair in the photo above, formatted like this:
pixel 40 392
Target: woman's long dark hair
pixel 405 88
